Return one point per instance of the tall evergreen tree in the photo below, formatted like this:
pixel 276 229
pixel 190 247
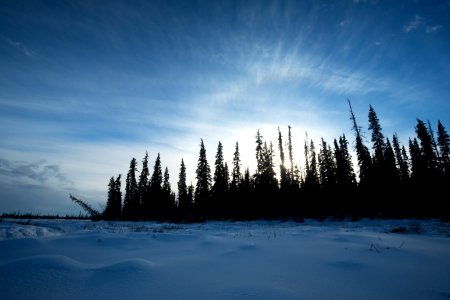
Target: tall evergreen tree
pixel 248 204
pixel 190 194
pixel 418 164
pixel 402 163
pixel 291 155
pixel 345 177
pixel 113 207
pixel 143 185
pixel 168 196
pixel 183 201
pixel 427 150
pixel 327 167
pixel 236 176
pixel 156 191
pixel 377 139
pixel 366 178
pixel 444 151
pixel 284 176
pixel 345 174
pixel 259 153
pixel 311 176
pixel 203 189
pixel 131 201
pixel 392 174
pixel 220 186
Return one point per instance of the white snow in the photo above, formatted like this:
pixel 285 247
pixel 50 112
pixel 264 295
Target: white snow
pixel 51 259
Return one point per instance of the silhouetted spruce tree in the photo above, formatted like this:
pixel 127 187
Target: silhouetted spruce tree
pixel 444 152
pixel 259 154
pixel 248 203
pixel 362 153
pixel 131 201
pixel 311 187
pixel 183 201
pixel 393 205
pixel 427 149
pixel 402 163
pixel 345 177
pixel 156 192
pixel 291 156
pixel 228 204
pixel 203 188
pixel 236 174
pixel 345 173
pixel 365 170
pixel 327 167
pixel 266 184
pixel 113 207
pixel 379 147
pixel 434 180
pixel 168 196
pixel 418 178
pixel 328 181
pixel 418 164
pixel 220 186
pixel 434 145
pixel 236 178
pixel 143 187
pixel 311 175
pixel 190 195
pixel 392 173
pixel 284 176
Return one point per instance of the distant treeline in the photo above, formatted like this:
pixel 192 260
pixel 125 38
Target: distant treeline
pixel 19 215
pixel 392 181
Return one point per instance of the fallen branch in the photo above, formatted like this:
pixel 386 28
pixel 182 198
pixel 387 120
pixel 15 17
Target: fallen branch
pixel 94 214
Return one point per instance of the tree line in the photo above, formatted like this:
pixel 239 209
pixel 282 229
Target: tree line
pixel 393 181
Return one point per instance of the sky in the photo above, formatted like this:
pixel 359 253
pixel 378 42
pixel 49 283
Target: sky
pixel 87 85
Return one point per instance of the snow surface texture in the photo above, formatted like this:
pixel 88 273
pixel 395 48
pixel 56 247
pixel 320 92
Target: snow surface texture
pixel 369 259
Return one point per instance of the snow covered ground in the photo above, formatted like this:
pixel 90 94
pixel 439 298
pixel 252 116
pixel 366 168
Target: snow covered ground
pixel 57 259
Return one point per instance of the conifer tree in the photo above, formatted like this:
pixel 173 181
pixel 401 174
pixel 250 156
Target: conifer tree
pixel 236 176
pixel 220 186
pixel 156 191
pixel 377 140
pixel 345 177
pixel 168 195
pixel 259 153
pixel 311 176
pixel 203 188
pixel 402 163
pixel 114 203
pixel 284 176
pixel 327 167
pixel 291 155
pixel 427 150
pixel 444 151
pixel 362 153
pixel 143 185
pixel 190 194
pixel 183 201
pixel 131 201
pixel 392 174
pixel 418 164
pixel 248 204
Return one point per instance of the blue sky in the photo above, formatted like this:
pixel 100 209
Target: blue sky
pixel 87 85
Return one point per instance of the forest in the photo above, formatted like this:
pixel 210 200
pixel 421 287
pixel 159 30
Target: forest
pixel 393 181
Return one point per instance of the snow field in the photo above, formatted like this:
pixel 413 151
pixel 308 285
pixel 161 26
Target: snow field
pixel 224 260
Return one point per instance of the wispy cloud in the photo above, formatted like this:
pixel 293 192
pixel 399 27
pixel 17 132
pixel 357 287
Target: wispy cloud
pixel 20 47
pixel 33 172
pixel 414 24
pixel 431 29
